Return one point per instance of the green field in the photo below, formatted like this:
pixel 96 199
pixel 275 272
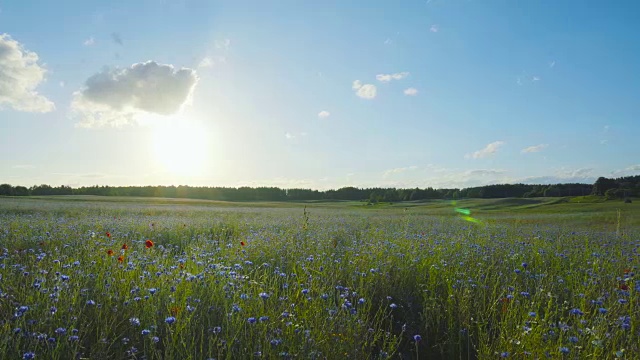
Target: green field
pixel 472 279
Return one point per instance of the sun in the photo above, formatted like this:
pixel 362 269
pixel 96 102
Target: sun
pixel 181 147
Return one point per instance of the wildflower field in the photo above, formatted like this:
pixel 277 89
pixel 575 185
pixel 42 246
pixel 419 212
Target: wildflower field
pixel 107 279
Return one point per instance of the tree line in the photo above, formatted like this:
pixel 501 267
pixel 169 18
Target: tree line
pixel 622 187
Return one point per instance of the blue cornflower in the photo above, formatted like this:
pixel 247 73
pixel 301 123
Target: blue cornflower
pixel 564 350
pixel 276 342
pixel 263 318
pixel 170 320
pixel 29 355
pixel 145 332
pixel 573 339
pixel 216 330
pixel 393 306
pixel 417 338
pixel 251 320
pixel 305 291
pixel 264 295
pixel 504 354
pixel 155 339
pixel 60 331
pixel 361 301
pixel 91 302
pixel 73 338
pixel 602 310
pixel 532 314
pixel 134 321
pixel 576 312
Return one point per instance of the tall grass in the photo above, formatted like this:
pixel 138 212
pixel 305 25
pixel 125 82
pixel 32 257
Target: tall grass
pixel 285 283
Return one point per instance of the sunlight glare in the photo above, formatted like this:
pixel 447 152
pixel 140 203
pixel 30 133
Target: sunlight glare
pixel 181 147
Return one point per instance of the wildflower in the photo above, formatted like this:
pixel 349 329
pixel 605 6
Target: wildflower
pixel 121 258
pixel 263 318
pixel 155 339
pixel 29 355
pixel 145 332
pixel 108 234
pixel 532 314
pixel 216 330
pixel 148 244
pixel 417 338
pixel 504 354
pixel 576 312
pixel 602 310
pixel 393 306
pixel 251 320
pixel 573 339
pixel 564 350
pixel 110 252
pixel 91 302
pixel 60 331
pixel 264 295
pixel 242 243
pixel 125 246
pixel 73 338
pixel 361 301
pixel 170 320
pixel 134 321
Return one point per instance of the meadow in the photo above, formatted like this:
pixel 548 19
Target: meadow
pixel 122 278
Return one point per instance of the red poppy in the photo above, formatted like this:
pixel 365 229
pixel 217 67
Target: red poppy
pixel 121 258
pixel 242 243
pixel 110 252
pixel 108 234
pixel 148 244
pixel 623 286
pixel 125 246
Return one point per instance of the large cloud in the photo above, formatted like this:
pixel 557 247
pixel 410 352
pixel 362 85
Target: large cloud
pixel 20 74
pixel 116 97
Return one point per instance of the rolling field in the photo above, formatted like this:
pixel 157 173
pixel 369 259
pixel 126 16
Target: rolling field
pixel 131 278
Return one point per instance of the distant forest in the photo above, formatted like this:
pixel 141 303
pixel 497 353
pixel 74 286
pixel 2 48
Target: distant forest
pixel 621 188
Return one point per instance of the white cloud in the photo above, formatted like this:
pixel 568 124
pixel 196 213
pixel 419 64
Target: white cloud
pixel 533 149
pixel 411 91
pixel 62 84
pixel 389 77
pixel 206 62
pixel 535 78
pixel 23 167
pixel 484 172
pixel 90 41
pixel 634 168
pixel 20 75
pixel 210 61
pixel 223 44
pixel 289 135
pixel 434 28
pixel 116 97
pixel 488 150
pixel 399 170
pixel 364 91
pixel 324 114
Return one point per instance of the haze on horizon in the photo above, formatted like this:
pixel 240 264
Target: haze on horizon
pixel 318 94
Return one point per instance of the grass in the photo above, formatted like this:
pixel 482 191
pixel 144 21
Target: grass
pixel 549 278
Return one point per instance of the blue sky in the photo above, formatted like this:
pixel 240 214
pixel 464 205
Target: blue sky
pixel 319 94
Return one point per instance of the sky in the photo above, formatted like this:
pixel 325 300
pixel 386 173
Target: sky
pixel 318 94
